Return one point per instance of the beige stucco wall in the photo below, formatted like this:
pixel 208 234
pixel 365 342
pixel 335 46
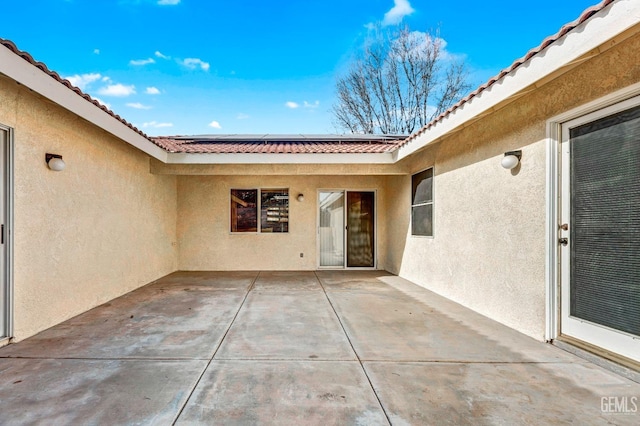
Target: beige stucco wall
pixel 488 252
pixel 205 241
pixel 100 228
pixel 115 220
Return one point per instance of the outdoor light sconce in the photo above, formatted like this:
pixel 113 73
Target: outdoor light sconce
pixel 511 159
pixel 300 197
pixel 55 162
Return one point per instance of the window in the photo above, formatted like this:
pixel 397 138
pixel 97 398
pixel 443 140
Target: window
pixel 244 205
pixel 273 205
pixel 422 203
pixel 274 210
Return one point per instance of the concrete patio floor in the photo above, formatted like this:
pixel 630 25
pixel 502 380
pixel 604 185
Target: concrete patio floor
pixel 326 347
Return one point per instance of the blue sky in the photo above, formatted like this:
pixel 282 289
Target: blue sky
pixel 208 67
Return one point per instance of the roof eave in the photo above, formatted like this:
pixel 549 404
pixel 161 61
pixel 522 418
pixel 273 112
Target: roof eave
pixel 32 77
pixel 557 58
pixel 271 158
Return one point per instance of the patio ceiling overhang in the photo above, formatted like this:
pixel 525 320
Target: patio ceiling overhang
pixel 270 164
pixel 264 158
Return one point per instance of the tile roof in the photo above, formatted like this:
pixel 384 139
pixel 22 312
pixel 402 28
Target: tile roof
pixel 281 144
pixel 301 143
pixel 238 143
pixel 588 13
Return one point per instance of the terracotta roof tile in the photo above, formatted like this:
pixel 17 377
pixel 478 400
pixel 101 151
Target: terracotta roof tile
pixel 231 144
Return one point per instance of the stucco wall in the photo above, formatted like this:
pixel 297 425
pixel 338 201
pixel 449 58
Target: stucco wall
pixel 100 228
pixel 205 241
pixel 488 252
pixel 107 225
pixel 398 214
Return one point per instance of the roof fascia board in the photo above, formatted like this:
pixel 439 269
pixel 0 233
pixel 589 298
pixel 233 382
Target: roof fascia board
pixel 271 158
pixel 606 24
pixel 40 82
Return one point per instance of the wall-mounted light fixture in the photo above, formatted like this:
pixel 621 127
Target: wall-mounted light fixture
pixel 511 159
pixel 55 162
pixel 300 197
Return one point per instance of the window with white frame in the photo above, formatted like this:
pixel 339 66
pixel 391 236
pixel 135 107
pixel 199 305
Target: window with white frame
pixel 422 203
pixel 260 210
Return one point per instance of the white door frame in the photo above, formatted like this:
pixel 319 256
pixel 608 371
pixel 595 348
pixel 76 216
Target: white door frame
pixel 345 242
pixel 617 101
pixel 6 251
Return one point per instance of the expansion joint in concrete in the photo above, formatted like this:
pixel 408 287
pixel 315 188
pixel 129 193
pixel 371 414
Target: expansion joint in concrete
pixel 364 370
pixel 204 370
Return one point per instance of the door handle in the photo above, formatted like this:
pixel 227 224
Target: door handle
pixel 563 241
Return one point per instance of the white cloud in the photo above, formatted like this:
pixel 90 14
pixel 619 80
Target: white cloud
pixel 138 105
pixel 168 2
pixel 316 104
pixel 193 63
pixel 152 91
pixel 141 62
pixel 161 56
pixel 96 51
pixel 81 81
pixel 118 90
pixel 156 125
pixel 292 105
pixel 395 15
pixel 242 116
pixel 215 125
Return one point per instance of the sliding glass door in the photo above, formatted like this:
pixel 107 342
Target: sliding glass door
pixel 346 229
pixel 5 296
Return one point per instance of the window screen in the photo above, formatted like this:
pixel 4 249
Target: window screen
pixel 422 203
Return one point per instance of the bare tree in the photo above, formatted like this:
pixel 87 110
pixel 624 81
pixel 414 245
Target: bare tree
pixel 401 81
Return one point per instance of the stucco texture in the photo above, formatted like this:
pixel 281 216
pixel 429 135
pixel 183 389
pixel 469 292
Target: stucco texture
pixel 115 219
pixel 206 243
pixel 102 227
pixel 488 251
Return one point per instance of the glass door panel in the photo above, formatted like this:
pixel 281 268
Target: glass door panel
pixel 331 228
pixel 360 229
